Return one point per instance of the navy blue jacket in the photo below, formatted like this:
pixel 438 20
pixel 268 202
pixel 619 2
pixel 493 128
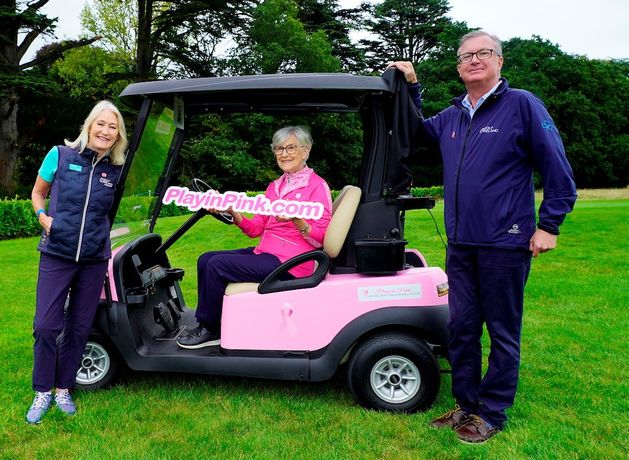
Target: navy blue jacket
pixel 488 164
pixel 81 196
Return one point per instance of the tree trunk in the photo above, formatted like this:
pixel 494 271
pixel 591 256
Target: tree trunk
pixel 8 141
pixel 144 55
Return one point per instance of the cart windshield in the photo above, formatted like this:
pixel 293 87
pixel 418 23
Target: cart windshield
pixel 149 164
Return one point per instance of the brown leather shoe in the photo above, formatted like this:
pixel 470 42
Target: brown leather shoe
pixel 451 419
pixel 476 431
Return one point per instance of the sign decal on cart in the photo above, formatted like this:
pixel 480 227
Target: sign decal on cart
pixel 389 292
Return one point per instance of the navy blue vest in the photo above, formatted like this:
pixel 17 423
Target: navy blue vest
pixel 81 196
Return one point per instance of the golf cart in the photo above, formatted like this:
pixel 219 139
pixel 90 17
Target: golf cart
pixel 371 303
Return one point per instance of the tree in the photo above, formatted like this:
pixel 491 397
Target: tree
pixel 279 42
pixel 117 24
pixel 168 38
pixel 16 19
pixel 337 23
pixel 91 74
pixel 196 35
pixel 404 30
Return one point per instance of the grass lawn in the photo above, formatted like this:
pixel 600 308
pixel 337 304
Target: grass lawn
pixel 572 401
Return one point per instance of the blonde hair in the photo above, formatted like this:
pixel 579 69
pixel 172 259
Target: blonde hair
pixel 117 151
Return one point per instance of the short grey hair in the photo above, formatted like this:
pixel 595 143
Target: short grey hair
pixel 302 133
pixel 482 33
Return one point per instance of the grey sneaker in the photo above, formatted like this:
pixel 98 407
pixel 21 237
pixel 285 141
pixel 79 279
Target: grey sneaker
pixel 40 406
pixel 63 400
pixel 199 337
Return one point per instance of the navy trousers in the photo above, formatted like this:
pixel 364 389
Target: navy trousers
pixel 216 269
pixel 57 361
pixel 486 286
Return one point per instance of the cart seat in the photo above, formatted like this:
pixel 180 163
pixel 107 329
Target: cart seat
pixel 343 212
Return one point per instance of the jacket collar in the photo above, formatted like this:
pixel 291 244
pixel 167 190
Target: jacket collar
pixel 502 88
pixel 288 182
pixel 90 154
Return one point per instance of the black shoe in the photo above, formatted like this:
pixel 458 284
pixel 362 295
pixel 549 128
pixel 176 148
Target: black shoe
pixel 199 337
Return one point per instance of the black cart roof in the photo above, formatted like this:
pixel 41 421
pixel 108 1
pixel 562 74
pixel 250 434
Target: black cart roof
pixel 331 91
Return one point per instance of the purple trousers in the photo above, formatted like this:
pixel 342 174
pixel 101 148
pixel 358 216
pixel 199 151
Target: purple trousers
pixel 486 286
pixel 57 359
pixel 216 269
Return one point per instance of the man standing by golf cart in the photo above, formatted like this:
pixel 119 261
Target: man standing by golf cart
pixel 491 140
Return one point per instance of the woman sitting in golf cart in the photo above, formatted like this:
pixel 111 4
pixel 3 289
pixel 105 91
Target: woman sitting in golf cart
pixel 280 237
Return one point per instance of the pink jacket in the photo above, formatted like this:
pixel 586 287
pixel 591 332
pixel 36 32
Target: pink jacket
pixel 282 239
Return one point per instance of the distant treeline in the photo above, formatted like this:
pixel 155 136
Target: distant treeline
pixel 52 94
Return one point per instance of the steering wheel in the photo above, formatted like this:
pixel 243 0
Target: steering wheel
pixel 202 187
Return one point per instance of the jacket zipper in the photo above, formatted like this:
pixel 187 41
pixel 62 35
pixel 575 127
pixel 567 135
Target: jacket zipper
pixel 87 202
pixel 458 179
pixel 490 100
pixel 283 239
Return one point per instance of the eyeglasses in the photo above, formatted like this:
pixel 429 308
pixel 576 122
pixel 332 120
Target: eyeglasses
pixel 289 149
pixel 482 55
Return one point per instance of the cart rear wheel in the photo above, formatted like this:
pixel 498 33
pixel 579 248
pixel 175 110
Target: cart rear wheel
pixel 395 372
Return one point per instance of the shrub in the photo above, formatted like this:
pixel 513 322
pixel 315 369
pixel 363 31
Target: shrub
pixel 17 219
pixel 435 192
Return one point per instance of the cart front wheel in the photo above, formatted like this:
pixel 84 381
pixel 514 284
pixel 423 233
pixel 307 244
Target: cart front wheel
pixel 99 365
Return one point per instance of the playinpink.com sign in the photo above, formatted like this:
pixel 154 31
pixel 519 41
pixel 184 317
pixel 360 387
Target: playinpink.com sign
pixel 240 202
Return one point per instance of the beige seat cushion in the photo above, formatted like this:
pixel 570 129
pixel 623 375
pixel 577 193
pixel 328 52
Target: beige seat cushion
pixel 239 288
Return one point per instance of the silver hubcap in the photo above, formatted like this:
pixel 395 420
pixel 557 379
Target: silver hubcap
pixel 94 365
pixel 395 379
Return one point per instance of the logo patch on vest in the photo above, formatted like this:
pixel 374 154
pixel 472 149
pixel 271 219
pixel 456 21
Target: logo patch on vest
pixel 73 167
pixel 106 182
pixel 489 129
pixel 514 230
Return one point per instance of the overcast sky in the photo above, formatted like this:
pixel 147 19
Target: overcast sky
pixel 598 29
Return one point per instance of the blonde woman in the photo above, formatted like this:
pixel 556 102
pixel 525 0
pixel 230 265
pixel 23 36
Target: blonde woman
pixel 81 177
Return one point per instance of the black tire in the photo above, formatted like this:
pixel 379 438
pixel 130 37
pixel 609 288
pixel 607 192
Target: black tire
pixel 100 365
pixel 395 372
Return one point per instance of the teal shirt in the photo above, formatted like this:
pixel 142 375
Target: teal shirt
pixel 48 167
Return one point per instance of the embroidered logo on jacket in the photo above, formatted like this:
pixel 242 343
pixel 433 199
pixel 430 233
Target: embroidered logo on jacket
pixel 548 125
pixel 489 129
pixel 106 182
pixel 514 230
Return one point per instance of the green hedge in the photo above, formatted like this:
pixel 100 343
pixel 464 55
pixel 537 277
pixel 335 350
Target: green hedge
pixel 436 191
pixel 17 219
